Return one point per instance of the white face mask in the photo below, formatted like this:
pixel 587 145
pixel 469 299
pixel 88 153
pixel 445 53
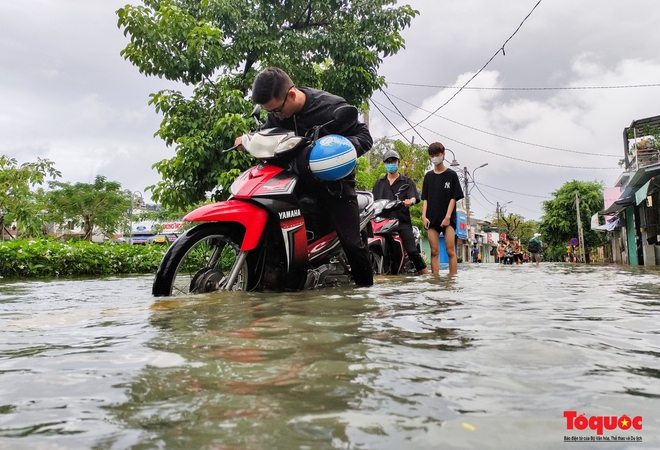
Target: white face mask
pixel 437 160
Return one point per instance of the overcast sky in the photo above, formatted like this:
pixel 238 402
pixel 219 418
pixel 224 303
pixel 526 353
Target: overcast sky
pixel 67 95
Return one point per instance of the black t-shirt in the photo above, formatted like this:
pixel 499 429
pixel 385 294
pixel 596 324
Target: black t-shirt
pixel 383 189
pixel 438 190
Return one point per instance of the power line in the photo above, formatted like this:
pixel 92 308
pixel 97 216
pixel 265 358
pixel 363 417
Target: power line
pixel 501 49
pixel 479 203
pixel 565 88
pixel 404 117
pixel 516 205
pixel 482 194
pixel 388 119
pixel 514 192
pixel 488 151
pixel 497 135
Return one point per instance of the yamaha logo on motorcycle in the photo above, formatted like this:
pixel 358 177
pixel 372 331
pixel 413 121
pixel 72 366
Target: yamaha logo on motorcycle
pixel 289 214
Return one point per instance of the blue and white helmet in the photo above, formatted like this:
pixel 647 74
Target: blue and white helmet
pixel 332 158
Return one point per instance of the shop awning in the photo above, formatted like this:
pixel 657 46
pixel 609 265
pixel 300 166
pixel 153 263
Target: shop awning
pixel 609 225
pixel 618 205
pixel 643 192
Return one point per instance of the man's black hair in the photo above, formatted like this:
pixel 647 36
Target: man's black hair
pixel 270 83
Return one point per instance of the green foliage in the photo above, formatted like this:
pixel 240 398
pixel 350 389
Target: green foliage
pixel 414 158
pixel 159 215
pixel 47 258
pixel 216 46
pixel 101 204
pixel 516 226
pixel 559 222
pixel 200 128
pixel 647 130
pixel 365 176
pixel 18 200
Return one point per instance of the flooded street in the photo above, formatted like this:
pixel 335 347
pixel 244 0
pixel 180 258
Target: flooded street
pixel 490 358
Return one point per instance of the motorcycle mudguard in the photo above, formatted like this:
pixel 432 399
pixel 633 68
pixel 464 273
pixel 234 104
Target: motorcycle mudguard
pixel 250 216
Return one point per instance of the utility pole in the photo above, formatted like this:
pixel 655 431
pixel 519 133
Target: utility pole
pixel 497 210
pixel 365 114
pixel 467 205
pixel 583 256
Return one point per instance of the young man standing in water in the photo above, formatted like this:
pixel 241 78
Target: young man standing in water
pixel 441 190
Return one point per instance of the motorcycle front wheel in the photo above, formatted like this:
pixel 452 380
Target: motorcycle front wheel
pixel 376 262
pixel 201 260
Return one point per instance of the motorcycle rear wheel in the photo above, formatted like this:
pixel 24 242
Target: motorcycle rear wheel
pixel 200 261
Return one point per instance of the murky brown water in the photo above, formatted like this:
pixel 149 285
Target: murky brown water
pixel 488 359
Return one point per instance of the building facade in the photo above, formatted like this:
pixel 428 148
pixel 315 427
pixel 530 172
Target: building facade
pixel 632 219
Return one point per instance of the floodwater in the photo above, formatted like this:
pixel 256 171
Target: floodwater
pixel 490 358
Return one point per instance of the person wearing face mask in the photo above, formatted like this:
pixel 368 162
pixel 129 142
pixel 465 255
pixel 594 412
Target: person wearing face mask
pixel 441 190
pixel 387 188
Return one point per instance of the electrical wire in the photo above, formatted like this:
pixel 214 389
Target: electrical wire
pixel 501 49
pixel 483 195
pixel 516 205
pixel 497 135
pixel 376 103
pixel 388 119
pixel 478 203
pixel 404 117
pixel 519 193
pixel 566 88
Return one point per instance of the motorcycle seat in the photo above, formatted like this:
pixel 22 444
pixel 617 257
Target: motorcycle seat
pixel 365 199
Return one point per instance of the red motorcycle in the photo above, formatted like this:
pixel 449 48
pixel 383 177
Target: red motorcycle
pixel 259 239
pixel 388 255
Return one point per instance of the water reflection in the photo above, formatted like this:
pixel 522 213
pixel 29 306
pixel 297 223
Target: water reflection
pixel 487 359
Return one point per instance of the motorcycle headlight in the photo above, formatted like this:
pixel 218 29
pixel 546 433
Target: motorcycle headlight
pixel 287 144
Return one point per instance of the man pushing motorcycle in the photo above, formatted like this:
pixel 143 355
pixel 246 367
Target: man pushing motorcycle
pixel 300 109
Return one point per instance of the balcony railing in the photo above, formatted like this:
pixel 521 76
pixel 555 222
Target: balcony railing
pixel 642 157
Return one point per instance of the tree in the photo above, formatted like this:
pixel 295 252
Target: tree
pixel 102 204
pixel 559 222
pixel 216 46
pixel 517 226
pixel 18 201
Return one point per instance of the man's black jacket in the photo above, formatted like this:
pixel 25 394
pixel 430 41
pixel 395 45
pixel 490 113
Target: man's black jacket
pixel 318 108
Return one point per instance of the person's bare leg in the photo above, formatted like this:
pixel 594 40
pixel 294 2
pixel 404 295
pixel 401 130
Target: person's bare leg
pixel 450 237
pixel 434 243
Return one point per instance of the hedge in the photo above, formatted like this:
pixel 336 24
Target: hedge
pixel 47 258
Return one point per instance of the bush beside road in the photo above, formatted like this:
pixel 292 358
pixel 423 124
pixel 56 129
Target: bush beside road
pixel 47 258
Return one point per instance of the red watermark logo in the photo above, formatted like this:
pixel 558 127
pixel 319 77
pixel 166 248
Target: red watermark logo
pixel 599 423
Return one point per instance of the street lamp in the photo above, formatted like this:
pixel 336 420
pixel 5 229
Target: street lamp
pixel 454 163
pixel 467 195
pixel 475 171
pixel 130 217
pixel 499 208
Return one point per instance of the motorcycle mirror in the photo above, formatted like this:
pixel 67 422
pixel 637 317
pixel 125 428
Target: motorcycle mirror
pixel 403 188
pixel 256 113
pixel 345 114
